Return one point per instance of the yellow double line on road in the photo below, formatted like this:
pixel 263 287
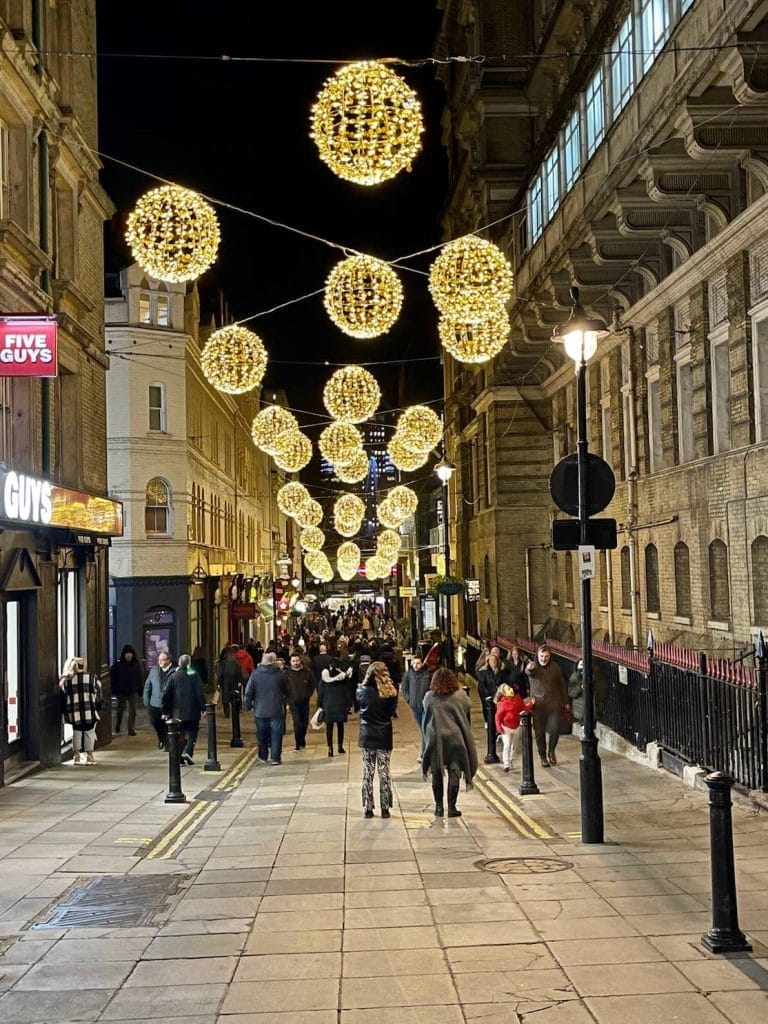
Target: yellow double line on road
pixel 165 847
pixel 511 811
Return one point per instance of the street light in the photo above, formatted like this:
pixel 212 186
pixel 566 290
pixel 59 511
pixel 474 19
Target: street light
pixel 284 563
pixel 580 336
pixel 445 470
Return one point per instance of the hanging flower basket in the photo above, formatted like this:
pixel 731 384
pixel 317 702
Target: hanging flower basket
pixel 448 585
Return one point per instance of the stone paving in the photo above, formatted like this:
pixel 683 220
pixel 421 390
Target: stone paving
pixel 294 909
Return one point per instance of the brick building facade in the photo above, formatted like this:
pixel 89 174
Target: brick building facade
pixel 636 167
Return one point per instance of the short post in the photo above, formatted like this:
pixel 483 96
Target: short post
pixel 528 785
pixel 237 739
pixel 174 794
pixel 724 936
pixel 212 763
pixel 491 756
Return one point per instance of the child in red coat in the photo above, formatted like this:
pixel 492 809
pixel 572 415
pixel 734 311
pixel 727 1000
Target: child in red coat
pixel 508 711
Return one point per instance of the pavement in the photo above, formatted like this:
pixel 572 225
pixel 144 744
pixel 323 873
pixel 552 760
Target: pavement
pixel 269 899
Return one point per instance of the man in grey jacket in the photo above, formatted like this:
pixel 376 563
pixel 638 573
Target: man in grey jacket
pixel 267 694
pixel 414 689
pixel 156 681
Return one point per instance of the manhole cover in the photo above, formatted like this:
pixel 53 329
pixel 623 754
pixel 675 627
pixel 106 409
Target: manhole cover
pixel 114 902
pixel 523 865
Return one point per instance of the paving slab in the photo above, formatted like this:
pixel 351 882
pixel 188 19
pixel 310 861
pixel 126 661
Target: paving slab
pixel 169 1001
pixel 273 996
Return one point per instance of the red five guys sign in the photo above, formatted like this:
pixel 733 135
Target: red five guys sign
pixel 28 346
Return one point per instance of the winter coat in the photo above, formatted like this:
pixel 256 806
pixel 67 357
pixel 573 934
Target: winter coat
pixel 548 686
pixel 157 680
pixel 389 658
pixel 448 736
pixel 184 696
pixel 516 676
pixel 81 700
pixel 489 681
pixel 201 667
pixel 332 695
pixel 267 692
pixel 320 662
pixel 414 687
pixel 375 718
pixel 230 676
pixel 301 684
pixel 126 677
pixel 245 661
pixel 508 712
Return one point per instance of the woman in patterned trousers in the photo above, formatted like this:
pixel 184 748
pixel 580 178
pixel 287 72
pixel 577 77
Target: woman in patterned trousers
pixel 377 697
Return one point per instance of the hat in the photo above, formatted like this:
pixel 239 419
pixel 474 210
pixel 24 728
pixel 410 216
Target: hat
pixel 270 658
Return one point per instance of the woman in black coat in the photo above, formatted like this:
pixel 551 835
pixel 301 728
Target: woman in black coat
pixel 449 745
pixel 332 698
pixel 377 697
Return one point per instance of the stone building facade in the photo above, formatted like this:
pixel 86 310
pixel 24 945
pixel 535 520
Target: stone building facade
pixel 202 528
pixel 623 148
pixel 53 579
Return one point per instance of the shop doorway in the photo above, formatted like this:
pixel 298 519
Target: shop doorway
pixel 159 634
pixel 18 742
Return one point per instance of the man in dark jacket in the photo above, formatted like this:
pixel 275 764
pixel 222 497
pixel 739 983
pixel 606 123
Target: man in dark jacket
pixel 322 661
pixel 549 689
pixel 230 677
pixel 414 689
pixel 301 683
pixel 267 694
pixel 184 698
pixel 127 681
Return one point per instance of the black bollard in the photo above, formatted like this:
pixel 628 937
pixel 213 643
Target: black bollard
pixel 212 763
pixel 174 794
pixel 724 936
pixel 528 785
pixel 489 709
pixel 237 739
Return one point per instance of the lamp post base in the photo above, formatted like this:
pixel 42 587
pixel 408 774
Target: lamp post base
pixel 591 790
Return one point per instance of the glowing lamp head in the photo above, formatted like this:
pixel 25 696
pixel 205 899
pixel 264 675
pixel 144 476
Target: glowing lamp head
pixel 580 334
pixel 445 470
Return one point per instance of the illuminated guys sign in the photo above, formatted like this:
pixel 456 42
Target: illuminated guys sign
pixel 27 499
pixel 28 346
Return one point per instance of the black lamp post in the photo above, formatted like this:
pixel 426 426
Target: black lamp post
pixel 580 336
pixel 284 567
pixel 445 470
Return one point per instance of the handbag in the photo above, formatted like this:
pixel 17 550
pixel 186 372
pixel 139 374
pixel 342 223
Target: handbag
pixel 317 719
pixel 566 721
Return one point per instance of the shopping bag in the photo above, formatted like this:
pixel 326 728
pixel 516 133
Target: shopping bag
pixel 566 721
pixel 317 719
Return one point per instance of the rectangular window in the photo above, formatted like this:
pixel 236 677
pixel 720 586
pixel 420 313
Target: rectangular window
pixel 535 210
pixel 760 362
pixel 654 421
pixel 162 310
pixel 605 423
pixel 684 406
pixel 594 111
pixel 145 314
pixel 622 68
pixel 721 391
pixel 551 182
pixel 654 29
pixel 571 150
pixel 157 407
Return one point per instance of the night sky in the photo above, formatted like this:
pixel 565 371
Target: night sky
pixel 240 133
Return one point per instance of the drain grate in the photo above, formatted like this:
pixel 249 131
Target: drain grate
pixel 523 865
pixel 114 902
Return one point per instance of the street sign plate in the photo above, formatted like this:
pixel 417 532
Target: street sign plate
pixel 601 534
pixel 564 485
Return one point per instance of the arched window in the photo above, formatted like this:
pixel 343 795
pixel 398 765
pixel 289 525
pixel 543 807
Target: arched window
pixel 157 508
pixel 487 578
pixel 626 582
pixel 719 590
pixel 760 579
pixel 568 578
pixel 652 603
pixel 553 571
pixel 163 309
pixel 682 580
pixel 145 310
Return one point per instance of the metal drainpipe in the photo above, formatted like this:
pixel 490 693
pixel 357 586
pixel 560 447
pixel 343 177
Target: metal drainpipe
pixel 609 586
pixel 44 170
pixel 632 498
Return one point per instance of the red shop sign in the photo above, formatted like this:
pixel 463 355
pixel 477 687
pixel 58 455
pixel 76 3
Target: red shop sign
pixel 243 611
pixel 28 346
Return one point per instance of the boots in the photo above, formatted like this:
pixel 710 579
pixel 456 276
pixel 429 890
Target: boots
pixel 437 792
pixel 453 795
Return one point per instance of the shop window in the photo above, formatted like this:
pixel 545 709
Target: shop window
pixel 760 580
pixel 652 602
pixel 719 590
pixel 626 579
pixel 157 410
pixel 157 509
pixel 569 600
pixel 682 581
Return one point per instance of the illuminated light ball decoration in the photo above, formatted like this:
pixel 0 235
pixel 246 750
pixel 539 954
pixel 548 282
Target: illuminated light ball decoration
pixel 419 429
pixel 318 565
pixel 471 279
pixel 387 515
pixel 311 539
pixel 349 552
pixel 352 394
pixel 310 514
pixel 345 571
pixel 403 459
pixel 367 123
pixel 347 527
pixel 377 568
pixel 234 360
pixel 354 471
pixel 340 443
pixel 293 451
pixel 388 544
pixel 403 500
pixel 475 343
pixel 268 424
pixel 363 296
pixel 173 233
pixel 292 497
pixel 349 506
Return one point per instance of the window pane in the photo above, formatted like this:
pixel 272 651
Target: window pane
pixel 144 315
pixel 572 150
pixel 162 310
pixel 622 67
pixel 760 580
pixel 654 26
pixel 720 598
pixel 535 211
pixel 551 182
pixel 652 579
pixel 594 111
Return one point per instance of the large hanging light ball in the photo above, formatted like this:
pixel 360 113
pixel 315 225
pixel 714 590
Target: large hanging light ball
pixel 349 553
pixel 311 539
pixel 347 527
pixel 367 123
pixel 293 450
pixel 173 233
pixel 388 516
pixel 349 506
pixel 354 471
pixel 352 394
pixel 404 459
pixel 234 360
pixel 377 567
pixel 346 571
pixel 363 296
pixel 268 424
pixel 475 343
pixel 419 429
pixel 340 443
pixel 318 564
pixel 471 279
pixel 388 544
pixel 403 500
pixel 310 514
pixel 292 497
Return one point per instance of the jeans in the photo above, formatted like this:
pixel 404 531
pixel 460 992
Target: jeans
pixel 188 736
pixel 508 744
pixel 418 714
pixel 373 759
pixel 454 781
pixel 546 727
pixel 83 739
pixel 156 718
pixel 123 700
pixel 300 716
pixel 269 733
pixel 329 734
